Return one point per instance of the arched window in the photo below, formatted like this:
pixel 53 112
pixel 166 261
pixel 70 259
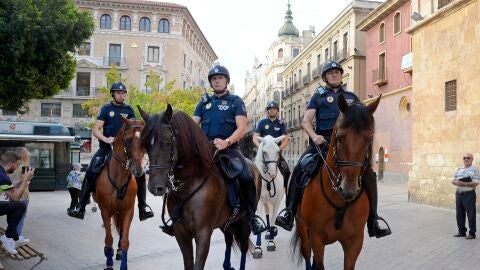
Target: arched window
pixel 105 22
pixel 164 26
pixel 144 24
pixel 396 23
pixel 280 53
pixel 381 33
pixel 125 23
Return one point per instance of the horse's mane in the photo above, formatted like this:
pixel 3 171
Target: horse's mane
pixel 358 118
pixel 192 143
pixel 258 156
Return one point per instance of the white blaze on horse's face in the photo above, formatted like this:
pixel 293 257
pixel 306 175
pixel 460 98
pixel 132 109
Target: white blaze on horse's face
pixel 137 134
pixel 270 155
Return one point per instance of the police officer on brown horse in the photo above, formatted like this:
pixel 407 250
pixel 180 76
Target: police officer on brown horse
pixel 274 126
pixel 109 119
pixel 323 107
pixel 223 118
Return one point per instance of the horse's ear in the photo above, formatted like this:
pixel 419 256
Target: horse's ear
pixel 144 115
pixel 124 120
pixel 342 103
pixel 168 114
pixel 279 139
pixel 372 107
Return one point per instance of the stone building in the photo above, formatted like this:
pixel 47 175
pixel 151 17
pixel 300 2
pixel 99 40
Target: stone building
pixel 446 118
pixel 339 41
pixel 136 36
pixel 389 73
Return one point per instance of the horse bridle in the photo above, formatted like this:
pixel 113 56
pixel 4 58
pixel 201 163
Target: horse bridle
pixel 175 185
pixel 336 179
pixel 128 160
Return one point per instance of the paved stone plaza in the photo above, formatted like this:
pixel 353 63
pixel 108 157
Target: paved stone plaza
pixel 421 239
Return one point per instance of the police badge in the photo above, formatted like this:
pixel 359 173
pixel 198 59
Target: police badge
pixel 208 106
pixel 267 126
pixel 112 113
pixel 330 99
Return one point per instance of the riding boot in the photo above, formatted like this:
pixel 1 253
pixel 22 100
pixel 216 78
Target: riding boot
pixel 250 195
pixel 286 216
pixel 370 183
pixel 87 188
pixel 144 211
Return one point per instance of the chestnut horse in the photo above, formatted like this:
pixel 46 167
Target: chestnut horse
pixel 182 169
pixel 116 188
pixel 334 206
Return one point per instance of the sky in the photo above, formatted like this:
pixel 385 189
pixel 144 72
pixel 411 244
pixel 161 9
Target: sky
pixel 239 30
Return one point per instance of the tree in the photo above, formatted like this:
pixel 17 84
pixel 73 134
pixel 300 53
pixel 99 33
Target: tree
pixel 37 44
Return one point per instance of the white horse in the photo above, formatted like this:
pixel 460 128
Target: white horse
pixel 266 160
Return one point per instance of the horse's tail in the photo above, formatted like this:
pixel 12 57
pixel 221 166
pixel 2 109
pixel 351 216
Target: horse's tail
pixel 239 230
pixel 296 247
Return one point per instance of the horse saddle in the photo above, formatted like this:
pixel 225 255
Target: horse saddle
pixel 231 167
pixel 310 163
pixel 100 162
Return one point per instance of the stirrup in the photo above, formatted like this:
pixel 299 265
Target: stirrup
pixel 143 214
pixel 168 229
pixel 387 231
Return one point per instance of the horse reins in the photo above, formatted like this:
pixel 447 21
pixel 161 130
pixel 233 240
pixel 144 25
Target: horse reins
pixel 270 182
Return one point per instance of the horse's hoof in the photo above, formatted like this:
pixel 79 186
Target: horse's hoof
pixel 271 246
pixel 257 253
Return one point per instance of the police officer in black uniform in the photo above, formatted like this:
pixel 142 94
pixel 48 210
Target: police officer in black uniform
pixel 223 119
pixel 275 127
pixel 323 106
pixel 110 120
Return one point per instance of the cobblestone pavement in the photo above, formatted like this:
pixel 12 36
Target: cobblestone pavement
pixel 421 239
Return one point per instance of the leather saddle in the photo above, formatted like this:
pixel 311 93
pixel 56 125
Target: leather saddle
pixel 231 167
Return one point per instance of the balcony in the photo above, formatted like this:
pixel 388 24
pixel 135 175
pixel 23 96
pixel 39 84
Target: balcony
pixel 442 3
pixel 79 92
pixel 306 79
pixel 341 55
pixel 316 73
pixel 379 76
pixel 119 62
pixel 295 86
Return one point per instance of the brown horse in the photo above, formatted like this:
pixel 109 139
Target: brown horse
pixel 334 206
pixel 116 188
pixel 182 169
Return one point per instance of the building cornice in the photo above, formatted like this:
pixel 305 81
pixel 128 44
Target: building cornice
pixel 438 15
pixel 379 13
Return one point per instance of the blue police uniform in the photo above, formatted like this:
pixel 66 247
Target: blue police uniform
pixel 273 128
pixel 111 114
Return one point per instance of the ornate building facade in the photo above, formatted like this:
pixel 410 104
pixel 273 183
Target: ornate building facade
pixel 136 36
pixel 339 41
pixel 389 73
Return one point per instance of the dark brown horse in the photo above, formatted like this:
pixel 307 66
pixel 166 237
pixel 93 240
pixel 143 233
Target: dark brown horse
pixel 116 188
pixel 334 206
pixel 182 169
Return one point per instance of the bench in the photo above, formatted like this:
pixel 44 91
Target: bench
pixel 25 252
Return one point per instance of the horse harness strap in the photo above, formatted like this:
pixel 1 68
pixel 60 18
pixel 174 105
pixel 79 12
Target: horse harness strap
pixel 270 183
pixel 121 191
pixel 177 211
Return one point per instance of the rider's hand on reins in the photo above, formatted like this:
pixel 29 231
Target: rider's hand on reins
pixel 220 144
pixel 109 140
pixel 318 139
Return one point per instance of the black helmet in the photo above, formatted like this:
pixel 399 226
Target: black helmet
pixel 272 104
pixel 219 70
pixel 331 65
pixel 118 86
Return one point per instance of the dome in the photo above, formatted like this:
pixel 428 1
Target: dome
pixel 288 29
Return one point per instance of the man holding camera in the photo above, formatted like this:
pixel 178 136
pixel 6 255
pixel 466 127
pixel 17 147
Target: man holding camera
pixel 466 179
pixel 9 162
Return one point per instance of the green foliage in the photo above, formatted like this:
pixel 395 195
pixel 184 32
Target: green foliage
pixel 37 42
pixel 155 102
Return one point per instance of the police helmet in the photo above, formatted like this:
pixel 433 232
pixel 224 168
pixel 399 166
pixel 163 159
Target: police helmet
pixel 117 86
pixel 331 65
pixel 219 70
pixel 272 104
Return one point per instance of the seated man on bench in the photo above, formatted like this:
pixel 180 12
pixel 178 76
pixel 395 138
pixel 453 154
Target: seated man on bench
pixel 9 162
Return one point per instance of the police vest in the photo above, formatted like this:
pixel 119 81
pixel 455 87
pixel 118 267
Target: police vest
pixel 274 129
pixel 327 110
pixel 218 117
pixel 112 117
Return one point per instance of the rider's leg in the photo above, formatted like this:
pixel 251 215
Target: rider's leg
pixel 285 170
pixel 370 183
pixel 294 194
pixel 88 185
pixel 144 211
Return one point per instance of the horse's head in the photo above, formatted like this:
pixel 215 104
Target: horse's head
pixel 132 145
pixel 270 154
pixel 352 144
pixel 158 139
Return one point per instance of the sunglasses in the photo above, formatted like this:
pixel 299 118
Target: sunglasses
pixel 466 158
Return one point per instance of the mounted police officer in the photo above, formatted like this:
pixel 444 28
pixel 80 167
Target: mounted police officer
pixel 110 120
pixel 223 119
pixel 274 126
pixel 323 106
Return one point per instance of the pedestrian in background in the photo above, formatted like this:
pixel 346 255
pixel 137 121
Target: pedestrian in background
pixel 466 179
pixel 16 178
pixel 74 184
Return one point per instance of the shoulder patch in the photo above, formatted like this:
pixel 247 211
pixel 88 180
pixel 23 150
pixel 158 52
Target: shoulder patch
pixel 321 90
